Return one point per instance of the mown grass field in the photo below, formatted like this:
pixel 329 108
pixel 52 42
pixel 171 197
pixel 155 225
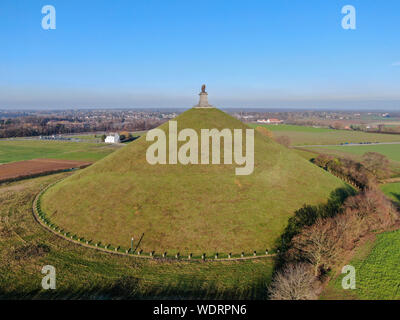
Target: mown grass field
pixel 392 190
pixel 301 135
pixel 377 271
pixel 84 273
pixel 11 151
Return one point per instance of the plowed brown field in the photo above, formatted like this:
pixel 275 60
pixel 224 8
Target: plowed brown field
pixel 30 168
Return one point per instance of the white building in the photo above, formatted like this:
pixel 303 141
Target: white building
pixel 112 138
pixel 270 121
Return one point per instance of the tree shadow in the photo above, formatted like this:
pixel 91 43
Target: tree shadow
pixel 396 202
pixel 132 288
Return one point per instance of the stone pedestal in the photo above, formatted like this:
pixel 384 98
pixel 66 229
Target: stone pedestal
pixel 203 103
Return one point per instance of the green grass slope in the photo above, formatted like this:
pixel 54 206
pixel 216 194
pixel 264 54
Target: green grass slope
pixel 188 208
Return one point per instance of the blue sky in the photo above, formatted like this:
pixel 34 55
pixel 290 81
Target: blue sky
pixel 157 53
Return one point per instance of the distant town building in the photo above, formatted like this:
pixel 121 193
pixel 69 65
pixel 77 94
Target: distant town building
pixel 270 121
pixel 112 138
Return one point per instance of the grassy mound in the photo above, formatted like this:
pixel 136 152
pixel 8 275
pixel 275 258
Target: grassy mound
pixel 188 208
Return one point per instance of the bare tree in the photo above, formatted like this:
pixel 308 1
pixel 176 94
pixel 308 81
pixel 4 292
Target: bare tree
pixel 283 140
pixel 322 160
pixel 317 245
pixel 373 208
pixel 293 282
pixel 377 164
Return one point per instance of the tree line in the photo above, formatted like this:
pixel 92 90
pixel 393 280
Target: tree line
pixel 42 126
pixel 318 237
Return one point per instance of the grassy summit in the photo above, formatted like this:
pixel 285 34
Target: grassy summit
pixel 188 208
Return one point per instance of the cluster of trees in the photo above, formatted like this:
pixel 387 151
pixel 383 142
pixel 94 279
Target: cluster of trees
pixel 317 248
pixel 365 174
pixel 381 128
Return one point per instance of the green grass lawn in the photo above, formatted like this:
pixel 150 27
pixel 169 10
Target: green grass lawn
pixel 377 271
pixel 84 273
pixel 302 135
pixel 392 151
pixel 392 190
pixel 11 151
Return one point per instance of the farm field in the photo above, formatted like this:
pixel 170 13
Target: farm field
pixel 11 151
pixel 392 151
pixel 392 190
pixel 377 271
pixel 301 135
pixel 83 273
pixel 27 168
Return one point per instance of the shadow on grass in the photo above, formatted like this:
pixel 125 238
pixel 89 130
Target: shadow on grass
pixel 396 195
pixel 134 288
pixel 396 202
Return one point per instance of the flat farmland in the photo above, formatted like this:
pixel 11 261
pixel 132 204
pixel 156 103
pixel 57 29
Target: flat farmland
pixel 30 168
pixel 392 151
pixel 17 150
pixel 301 135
